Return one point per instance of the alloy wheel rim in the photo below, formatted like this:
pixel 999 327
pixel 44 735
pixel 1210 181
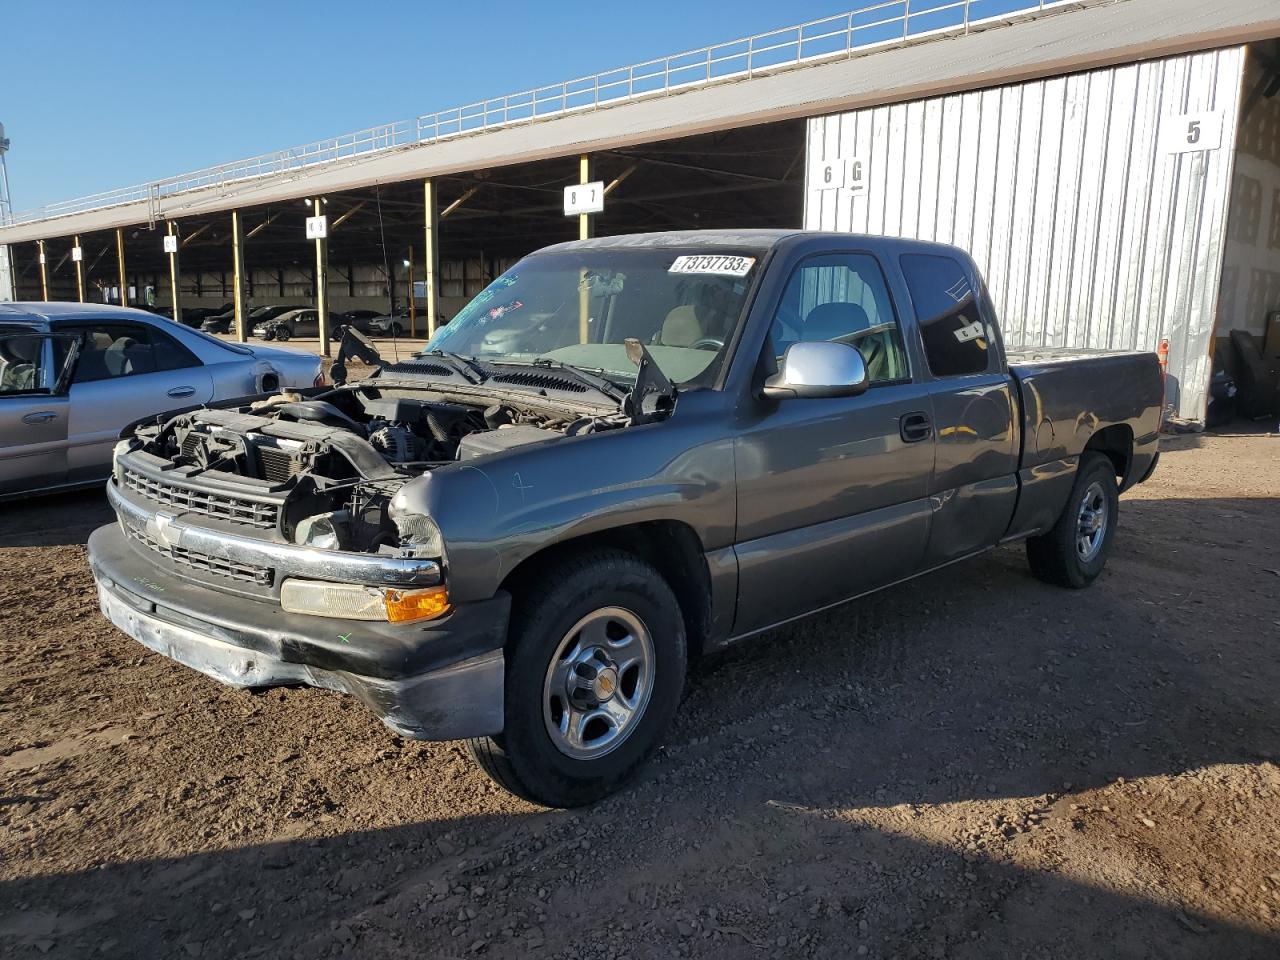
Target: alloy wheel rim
pixel 1092 521
pixel 598 683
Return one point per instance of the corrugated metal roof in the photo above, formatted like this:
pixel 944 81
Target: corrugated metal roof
pixel 1069 41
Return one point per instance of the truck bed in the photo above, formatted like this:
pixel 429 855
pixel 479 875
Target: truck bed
pixel 1107 401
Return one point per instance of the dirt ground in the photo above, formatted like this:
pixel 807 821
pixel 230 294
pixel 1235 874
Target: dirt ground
pixel 974 765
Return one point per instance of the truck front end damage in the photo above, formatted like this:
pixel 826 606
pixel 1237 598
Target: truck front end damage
pixel 281 542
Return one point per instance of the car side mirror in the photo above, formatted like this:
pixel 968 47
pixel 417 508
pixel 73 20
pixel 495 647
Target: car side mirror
pixel 821 368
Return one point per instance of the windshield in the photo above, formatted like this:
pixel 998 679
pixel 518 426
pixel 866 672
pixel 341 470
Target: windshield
pixel 578 306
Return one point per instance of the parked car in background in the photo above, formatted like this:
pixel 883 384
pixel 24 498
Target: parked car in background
pixel 395 324
pixel 304 322
pixel 224 322
pixel 73 375
pixel 624 452
pixel 359 319
pixel 195 316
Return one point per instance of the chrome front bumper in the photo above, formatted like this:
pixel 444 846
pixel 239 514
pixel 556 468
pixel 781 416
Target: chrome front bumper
pixel 442 680
pixel 285 559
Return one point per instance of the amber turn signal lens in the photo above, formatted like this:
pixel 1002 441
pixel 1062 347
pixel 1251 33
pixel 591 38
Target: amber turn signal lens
pixel 406 605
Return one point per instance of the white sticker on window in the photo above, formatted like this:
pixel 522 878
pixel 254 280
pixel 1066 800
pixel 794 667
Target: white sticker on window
pixel 715 264
pixel 970 331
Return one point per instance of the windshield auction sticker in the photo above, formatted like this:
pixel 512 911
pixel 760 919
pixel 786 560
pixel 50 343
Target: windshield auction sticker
pixel 716 265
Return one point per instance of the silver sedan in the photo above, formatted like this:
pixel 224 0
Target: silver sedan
pixel 73 375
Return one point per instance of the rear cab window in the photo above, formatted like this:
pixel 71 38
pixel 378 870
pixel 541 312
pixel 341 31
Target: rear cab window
pixel 958 341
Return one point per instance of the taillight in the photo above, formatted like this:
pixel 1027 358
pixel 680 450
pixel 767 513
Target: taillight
pixel 319 381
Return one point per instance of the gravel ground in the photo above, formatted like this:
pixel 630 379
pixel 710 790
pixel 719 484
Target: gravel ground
pixel 974 765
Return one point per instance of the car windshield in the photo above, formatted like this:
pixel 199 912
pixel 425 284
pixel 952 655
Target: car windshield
pixel 578 306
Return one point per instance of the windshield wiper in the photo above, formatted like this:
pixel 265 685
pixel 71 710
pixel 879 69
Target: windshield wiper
pixel 462 366
pixel 591 379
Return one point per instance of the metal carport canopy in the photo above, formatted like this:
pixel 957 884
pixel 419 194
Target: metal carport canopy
pixel 1070 40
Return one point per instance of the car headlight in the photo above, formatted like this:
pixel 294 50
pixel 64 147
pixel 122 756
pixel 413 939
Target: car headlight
pixel 325 531
pixel 349 601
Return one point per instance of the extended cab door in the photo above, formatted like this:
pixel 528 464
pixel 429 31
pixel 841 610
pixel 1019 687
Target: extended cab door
pixel 833 492
pixel 974 487
pixel 127 371
pixel 33 410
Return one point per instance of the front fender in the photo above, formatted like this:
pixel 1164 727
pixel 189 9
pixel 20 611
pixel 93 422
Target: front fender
pixel 498 511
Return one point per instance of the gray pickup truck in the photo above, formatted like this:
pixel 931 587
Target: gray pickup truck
pixel 623 453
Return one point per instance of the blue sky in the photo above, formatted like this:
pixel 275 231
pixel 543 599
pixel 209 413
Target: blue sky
pixel 96 95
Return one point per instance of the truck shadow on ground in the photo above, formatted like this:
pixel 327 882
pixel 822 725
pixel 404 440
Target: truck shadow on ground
pixel 59 519
pixel 820 783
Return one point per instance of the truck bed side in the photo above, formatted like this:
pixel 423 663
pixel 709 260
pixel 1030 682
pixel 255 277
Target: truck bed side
pixel 1077 400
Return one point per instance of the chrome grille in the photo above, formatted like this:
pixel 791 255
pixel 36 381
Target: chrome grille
pixel 244 572
pixel 250 513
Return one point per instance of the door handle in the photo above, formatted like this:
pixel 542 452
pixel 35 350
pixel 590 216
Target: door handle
pixel 914 427
pixel 42 416
pixel 182 391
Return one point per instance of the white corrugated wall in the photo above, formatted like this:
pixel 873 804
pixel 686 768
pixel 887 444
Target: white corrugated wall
pixel 1091 228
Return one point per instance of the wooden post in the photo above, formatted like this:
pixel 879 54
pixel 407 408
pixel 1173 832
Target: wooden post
pixel 413 311
pixel 124 279
pixel 174 291
pixel 586 226
pixel 431 254
pixel 237 274
pixel 77 257
pixel 322 280
pixel 44 272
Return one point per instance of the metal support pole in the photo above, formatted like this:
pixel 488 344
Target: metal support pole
pixel 124 279
pixel 322 281
pixel 413 311
pixel 431 254
pixel 78 257
pixel 237 274
pixel 44 272
pixel 174 291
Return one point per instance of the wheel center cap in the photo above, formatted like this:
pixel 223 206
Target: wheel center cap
pixel 605 684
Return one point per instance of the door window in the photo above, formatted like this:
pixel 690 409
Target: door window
pixel 112 350
pixel 843 297
pixel 24 365
pixel 957 341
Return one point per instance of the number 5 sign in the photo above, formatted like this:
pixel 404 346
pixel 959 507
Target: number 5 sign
pixel 1192 132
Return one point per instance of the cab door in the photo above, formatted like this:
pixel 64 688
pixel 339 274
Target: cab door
pixel 833 492
pixel 33 411
pixel 975 488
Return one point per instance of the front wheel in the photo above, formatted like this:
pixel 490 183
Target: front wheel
pixel 595 669
pixel 283 334
pixel 1075 550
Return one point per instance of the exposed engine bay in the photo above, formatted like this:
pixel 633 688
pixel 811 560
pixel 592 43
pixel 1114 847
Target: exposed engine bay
pixel 328 465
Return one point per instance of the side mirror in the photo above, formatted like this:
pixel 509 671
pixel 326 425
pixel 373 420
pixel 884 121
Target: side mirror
pixel 822 368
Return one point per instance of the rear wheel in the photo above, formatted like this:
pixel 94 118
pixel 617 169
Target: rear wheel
pixel 1075 550
pixel 595 668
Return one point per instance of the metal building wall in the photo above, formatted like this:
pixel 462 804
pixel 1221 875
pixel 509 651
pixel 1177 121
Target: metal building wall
pixel 1090 226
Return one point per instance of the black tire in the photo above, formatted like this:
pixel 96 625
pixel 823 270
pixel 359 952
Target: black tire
pixel 283 334
pixel 524 759
pixel 397 330
pixel 1057 556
